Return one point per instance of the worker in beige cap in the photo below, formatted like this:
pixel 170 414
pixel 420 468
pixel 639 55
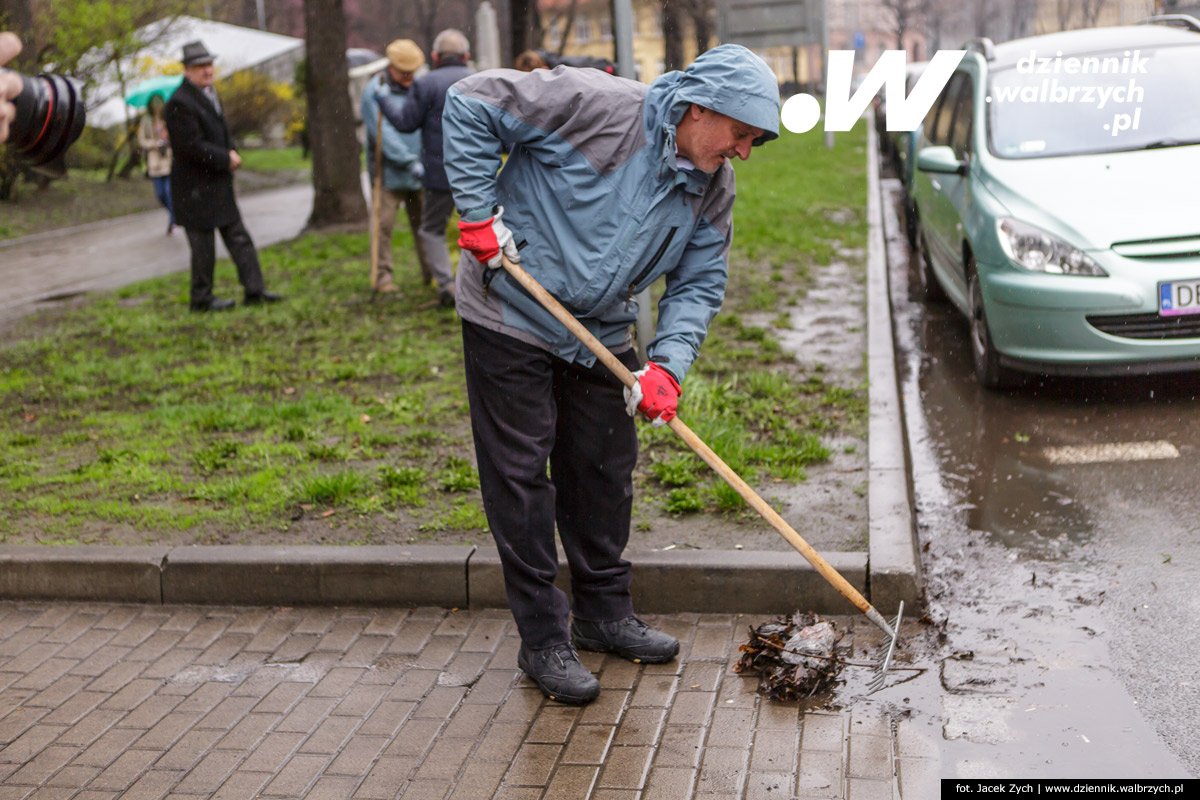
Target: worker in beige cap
pixel 402 168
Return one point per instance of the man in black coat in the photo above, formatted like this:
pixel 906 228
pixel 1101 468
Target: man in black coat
pixel 423 110
pixel 202 184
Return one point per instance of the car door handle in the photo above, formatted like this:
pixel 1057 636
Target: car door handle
pixel 937 186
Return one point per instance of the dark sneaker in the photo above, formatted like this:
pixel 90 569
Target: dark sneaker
pixel 212 304
pixel 558 673
pixel 258 298
pixel 629 638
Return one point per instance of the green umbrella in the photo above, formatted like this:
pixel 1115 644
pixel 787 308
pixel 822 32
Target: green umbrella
pixel 164 86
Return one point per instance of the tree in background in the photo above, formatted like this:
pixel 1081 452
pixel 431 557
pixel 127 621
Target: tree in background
pixel 526 26
pixel 563 21
pixel 672 30
pixel 338 194
pixel 703 14
pixel 906 15
pixel 675 13
pixel 90 40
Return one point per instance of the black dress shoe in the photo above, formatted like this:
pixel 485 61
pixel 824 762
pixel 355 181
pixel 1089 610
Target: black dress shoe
pixel 213 304
pixel 629 638
pixel 262 297
pixel 559 674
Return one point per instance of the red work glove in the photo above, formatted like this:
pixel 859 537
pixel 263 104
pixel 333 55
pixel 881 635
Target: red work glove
pixel 656 394
pixel 487 238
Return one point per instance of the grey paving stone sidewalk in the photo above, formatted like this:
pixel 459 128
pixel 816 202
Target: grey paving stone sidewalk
pixel 103 701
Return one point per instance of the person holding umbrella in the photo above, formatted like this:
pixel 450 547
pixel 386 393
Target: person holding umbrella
pixel 155 143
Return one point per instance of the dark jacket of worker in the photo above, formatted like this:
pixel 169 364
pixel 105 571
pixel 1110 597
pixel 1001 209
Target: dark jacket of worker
pixel 423 110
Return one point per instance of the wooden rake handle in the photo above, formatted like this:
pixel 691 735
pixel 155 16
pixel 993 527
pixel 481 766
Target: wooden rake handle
pixel 701 449
pixel 376 200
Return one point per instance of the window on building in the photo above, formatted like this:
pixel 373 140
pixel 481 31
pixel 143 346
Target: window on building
pixel 605 28
pixel 583 30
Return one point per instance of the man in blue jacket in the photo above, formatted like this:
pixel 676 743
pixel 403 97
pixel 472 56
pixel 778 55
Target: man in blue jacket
pixel 423 111
pixel 402 168
pixel 609 185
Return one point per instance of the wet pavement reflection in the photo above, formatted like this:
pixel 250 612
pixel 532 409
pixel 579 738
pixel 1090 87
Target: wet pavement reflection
pixel 1037 509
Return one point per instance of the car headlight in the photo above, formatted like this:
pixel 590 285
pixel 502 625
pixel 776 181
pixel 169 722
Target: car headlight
pixel 1033 249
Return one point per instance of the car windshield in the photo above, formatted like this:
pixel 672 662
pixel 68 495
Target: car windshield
pixel 1055 105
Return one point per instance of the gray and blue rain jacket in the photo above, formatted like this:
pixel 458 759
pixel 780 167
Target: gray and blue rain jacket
pixel 401 151
pixel 596 199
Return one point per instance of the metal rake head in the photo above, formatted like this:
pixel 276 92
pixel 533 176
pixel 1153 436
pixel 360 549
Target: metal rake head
pixel 886 649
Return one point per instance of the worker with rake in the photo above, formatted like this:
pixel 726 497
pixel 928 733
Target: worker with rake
pixel 609 185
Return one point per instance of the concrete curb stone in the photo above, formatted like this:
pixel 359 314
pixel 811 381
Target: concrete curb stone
pixel 894 566
pixel 85 572
pixel 700 581
pixel 703 581
pixel 316 575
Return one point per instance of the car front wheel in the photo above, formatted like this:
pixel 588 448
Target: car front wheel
pixel 988 369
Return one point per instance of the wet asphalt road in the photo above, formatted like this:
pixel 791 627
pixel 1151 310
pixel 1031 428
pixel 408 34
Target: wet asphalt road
pixel 40 270
pixel 1063 595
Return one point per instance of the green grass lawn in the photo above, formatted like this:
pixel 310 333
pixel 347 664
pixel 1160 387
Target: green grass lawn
pixel 284 159
pixel 131 420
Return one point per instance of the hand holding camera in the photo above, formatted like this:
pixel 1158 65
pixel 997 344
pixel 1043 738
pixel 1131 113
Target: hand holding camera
pixel 10 83
pixel 40 116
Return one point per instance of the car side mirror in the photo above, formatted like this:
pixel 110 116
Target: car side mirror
pixel 940 159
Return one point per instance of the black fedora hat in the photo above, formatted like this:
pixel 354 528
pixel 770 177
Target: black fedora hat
pixel 196 53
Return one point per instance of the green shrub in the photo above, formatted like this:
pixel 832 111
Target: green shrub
pixel 252 102
pixel 458 476
pixel 676 472
pixel 684 501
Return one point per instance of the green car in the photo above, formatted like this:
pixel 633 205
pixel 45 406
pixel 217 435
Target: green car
pixel 1057 197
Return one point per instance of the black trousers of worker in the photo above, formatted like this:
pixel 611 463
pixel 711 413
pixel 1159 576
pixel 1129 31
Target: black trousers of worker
pixel 203 242
pixel 529 407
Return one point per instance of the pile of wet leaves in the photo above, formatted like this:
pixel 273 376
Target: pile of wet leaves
pixel 792 656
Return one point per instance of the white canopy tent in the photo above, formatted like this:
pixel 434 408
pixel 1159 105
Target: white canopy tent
pixel 236 48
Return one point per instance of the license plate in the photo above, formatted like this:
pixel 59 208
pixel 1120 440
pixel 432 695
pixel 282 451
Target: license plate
pixel 1176 298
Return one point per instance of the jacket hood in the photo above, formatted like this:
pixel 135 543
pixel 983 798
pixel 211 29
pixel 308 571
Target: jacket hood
pixel 730 80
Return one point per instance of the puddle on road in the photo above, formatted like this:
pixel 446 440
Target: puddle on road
pixel 989 451
pixel 1018 679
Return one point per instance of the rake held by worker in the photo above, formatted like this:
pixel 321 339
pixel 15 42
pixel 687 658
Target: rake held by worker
pixel 835 578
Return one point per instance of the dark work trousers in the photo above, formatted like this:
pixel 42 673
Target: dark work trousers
pixel 203 242
pixel 529 407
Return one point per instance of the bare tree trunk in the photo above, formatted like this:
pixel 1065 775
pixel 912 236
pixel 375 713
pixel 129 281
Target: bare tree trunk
pixel 537 33
pixel 568 18
pixel 702 13
pixel 526 26
pixel 672 19
pixel 906 14
pixel 338 194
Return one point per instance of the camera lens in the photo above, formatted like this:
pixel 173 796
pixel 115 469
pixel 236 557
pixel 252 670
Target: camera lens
pixel 50 117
